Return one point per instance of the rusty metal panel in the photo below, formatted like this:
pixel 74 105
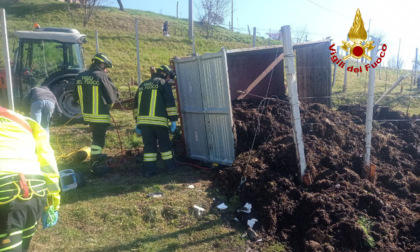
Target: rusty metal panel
pixel 206 107
pixel 246 66
pixel 313 68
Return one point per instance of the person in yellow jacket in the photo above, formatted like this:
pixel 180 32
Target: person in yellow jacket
pixel 29 180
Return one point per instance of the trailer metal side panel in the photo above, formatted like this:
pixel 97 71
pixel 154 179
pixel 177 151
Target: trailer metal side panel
pixel 206 107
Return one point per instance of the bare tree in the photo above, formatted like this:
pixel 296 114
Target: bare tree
pixel 393 62
pixel 212 13
pixel 416 65
pixel 275 35
pixel 381 37
pixel 300 36
pixel 88 8
pixel 121 5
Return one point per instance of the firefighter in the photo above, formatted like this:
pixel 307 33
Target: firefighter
pixel 155 107
pixel 29 180
pixel 96 94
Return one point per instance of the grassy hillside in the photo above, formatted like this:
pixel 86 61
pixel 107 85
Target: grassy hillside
pixel 116 32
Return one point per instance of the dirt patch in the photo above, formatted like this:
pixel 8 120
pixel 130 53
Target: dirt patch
pixel 340 210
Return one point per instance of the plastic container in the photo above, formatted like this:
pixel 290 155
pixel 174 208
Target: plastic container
pixel 68 180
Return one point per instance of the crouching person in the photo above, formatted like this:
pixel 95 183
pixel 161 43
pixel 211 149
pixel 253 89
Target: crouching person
pixel 43 104
pixel 29 181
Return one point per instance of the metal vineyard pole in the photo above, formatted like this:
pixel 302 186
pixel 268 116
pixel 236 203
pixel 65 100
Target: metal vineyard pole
pixel 97 41
pixel 255 34
pixel 231 17
pixel 293 97
pixel 389 90
pixel 7 59
pixel 190 20
pixel 415 70
pixel 370 102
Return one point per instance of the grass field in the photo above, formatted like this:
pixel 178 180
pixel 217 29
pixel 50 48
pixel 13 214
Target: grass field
pixel 404 97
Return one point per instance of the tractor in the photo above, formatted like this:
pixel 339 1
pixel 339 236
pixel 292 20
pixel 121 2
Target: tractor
pixel 50 57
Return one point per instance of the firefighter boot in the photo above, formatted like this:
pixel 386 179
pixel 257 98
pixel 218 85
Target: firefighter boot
pixel 149 169
pixel 170 165
pixel 98 164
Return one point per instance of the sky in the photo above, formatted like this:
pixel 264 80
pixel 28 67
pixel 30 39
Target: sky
pixel 398 22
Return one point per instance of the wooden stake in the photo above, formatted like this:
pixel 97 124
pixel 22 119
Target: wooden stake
pixel 262 75
pixel 335 67
pixel 390 89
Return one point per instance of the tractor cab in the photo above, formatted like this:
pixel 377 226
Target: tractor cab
pixel 49 57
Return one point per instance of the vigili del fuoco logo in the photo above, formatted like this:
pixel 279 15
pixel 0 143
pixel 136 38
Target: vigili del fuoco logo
pixel 357 47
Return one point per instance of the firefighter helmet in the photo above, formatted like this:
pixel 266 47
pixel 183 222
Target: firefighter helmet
pixel 167 70
pixel 102 58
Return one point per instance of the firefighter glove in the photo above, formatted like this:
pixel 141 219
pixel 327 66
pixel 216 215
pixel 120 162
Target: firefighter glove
pixel 173 127
pixel 138 131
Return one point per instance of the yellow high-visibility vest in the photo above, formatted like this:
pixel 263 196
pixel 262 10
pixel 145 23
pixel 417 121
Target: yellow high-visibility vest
pixel 30 153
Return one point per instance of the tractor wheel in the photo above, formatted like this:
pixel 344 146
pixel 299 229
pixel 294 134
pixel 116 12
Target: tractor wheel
pixel 63 91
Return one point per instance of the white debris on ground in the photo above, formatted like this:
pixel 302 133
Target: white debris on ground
pixel 222 206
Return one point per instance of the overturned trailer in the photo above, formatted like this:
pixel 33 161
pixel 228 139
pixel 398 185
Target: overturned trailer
pixel 207 84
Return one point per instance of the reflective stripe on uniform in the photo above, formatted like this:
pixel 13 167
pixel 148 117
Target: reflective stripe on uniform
pixel 95 149
pixel 96 118
pixel 11 247
pixel 79 90
pixel 13 240
pixel 166 155
pixel 152 107
pixel 138 104
pixel 11 234
pixel 10 189
pixel 172 111
pixel 150 157
pixel 162 121
pixel 29 232
pixel 95 100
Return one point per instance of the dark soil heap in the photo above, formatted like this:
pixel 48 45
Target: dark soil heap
pixel 340 210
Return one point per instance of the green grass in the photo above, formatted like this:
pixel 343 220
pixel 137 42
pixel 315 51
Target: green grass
pixel 365 225
pixel 113 214
pixel 116 32
pixel 401 98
